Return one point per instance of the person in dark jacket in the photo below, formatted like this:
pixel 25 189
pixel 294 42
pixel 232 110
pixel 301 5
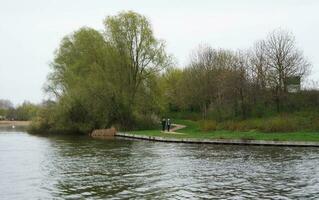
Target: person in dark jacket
pixel 168 124
pixel 163 124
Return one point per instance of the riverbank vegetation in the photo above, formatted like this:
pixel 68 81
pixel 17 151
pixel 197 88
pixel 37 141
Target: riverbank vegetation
pixel 193 130
pixel 24 112
pixel 123 77
pixel 106 78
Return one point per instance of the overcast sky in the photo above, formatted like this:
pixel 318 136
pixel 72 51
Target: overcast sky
pixel 31 30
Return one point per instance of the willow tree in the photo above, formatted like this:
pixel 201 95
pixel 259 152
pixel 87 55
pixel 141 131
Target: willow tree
pixel 142 54
pixel 100 79
pixel 79 81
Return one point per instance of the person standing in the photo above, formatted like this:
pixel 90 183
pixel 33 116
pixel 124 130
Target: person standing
pixel 163 124
pixel 168 124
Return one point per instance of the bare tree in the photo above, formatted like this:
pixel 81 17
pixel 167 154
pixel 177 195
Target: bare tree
pixel 276 59
pixel 202 75
pixel 217 80
pixel 258 64
pixel 5 104
pixel 284 59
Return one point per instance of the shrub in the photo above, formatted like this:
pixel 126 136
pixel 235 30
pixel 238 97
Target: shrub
pixel 147 122
pixel 280 124
pixel 235 125
pixel 207 125
pixel 275 124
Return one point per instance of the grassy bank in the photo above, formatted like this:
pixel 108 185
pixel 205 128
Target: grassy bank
pixel 194 130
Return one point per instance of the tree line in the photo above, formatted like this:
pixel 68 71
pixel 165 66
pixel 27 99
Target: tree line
pixel 24 112
pixel 123 77
pixel 241 84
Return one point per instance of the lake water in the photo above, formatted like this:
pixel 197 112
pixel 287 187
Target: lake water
pixel 33 167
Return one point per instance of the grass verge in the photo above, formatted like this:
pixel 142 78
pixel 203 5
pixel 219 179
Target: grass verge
pixel 192 130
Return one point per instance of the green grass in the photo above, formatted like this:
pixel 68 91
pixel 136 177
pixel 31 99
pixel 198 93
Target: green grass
pixel 193 131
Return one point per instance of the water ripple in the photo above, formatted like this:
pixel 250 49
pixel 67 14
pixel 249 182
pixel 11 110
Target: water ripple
pixel 83 168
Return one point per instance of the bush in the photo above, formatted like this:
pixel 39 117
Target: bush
pixel 147 122
pixel 280 124
pixel 207 125
pixel 236 125
pixel 194 116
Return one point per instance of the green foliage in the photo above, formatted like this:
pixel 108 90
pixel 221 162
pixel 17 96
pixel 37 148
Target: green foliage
pixel 192 130
pixel 24 112
pixel 147 122
pixel 184 114
pixel 170 87
pixel 225 85
pixel 104 79
pixel 2 112
pixel 281 123
pixel 121 77
pixel 208 125
pixel 44 120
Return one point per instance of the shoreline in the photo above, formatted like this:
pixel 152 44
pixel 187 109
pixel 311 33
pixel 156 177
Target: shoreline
pixel 220 141
pixel 6 123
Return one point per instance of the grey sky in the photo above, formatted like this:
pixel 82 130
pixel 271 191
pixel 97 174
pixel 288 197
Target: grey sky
pixel 31 30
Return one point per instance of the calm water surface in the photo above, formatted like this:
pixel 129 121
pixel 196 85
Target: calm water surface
pixel 33 167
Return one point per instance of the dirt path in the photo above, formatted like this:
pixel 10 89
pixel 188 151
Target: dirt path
pixel 175 128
